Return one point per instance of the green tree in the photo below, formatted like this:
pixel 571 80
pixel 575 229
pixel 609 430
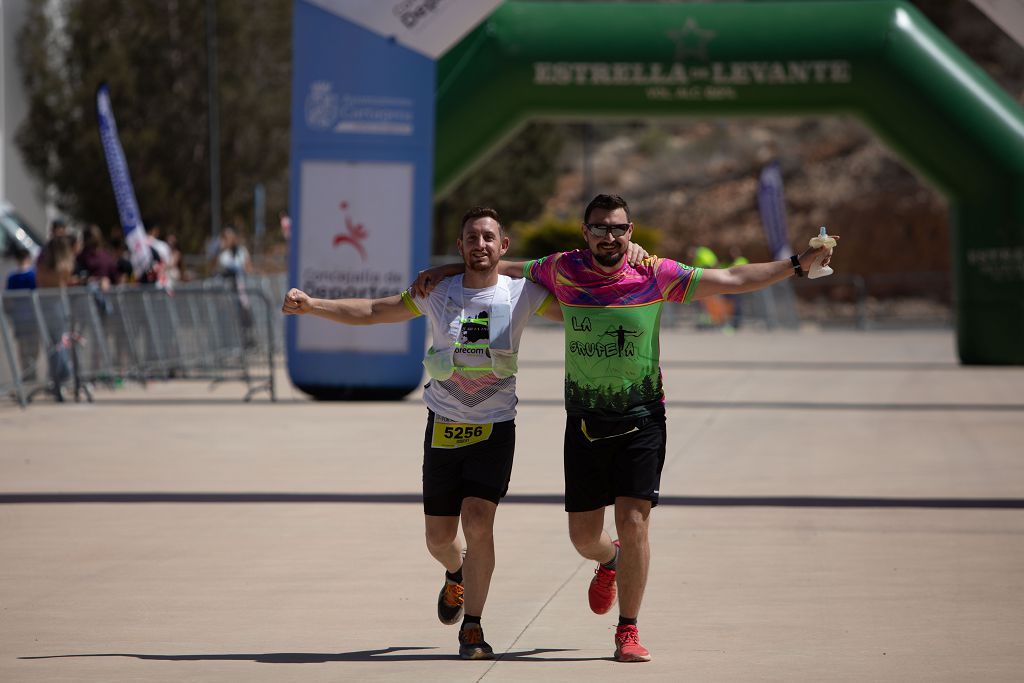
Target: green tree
pixel 154 57
pixel 515 180
pixel 648 392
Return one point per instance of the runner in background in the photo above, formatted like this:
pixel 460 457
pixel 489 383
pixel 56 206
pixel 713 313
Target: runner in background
pixel 714 311
pixel 736 300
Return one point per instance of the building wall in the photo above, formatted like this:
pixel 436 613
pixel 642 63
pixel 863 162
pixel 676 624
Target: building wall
pixel 16 185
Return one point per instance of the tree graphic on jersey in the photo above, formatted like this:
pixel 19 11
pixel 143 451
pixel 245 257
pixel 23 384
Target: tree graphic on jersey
pixel 609 399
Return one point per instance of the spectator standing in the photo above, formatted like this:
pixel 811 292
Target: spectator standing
pixel 121 256
pixel 713 311
pixel 738 259
pixel 20 312
pixel 95 263
pixel 285 221
pixel 55 266
pixel 58 228
pixel 97 267
pixel 233 260
pixel 161 249
pixel 174 270
pixel 56 269
pixel 25 276
pixel 160 252
pixel 232 264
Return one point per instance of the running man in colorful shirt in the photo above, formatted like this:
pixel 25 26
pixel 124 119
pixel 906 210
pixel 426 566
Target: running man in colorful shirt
pixel 615 432
pixel 476 322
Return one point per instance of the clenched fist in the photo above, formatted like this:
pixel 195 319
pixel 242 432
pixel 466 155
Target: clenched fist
pixel 296 302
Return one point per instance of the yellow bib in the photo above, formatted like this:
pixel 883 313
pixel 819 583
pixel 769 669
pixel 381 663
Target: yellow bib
pixel 459 434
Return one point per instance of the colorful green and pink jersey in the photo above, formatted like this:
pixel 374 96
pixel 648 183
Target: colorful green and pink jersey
pixel 612 326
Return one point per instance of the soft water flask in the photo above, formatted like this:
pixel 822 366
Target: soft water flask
pixel 822 240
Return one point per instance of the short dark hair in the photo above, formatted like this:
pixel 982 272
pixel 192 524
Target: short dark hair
pixel 481 212
pixel 18 251
pixel 609 202
pixel 57 224
pixel 92 237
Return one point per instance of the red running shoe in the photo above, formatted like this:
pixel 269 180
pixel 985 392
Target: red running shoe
pixel 628 647
pixel 602 588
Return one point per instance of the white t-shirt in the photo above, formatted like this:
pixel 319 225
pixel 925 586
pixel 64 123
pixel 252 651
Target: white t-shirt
pixel 232 263
pixel 477 397
pixel 162 249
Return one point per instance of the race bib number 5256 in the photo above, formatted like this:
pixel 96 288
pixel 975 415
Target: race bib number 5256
pixel 459 434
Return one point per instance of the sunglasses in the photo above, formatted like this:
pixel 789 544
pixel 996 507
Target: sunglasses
pixel 601 230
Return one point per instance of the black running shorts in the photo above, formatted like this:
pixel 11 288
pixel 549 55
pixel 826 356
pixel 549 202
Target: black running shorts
pixel 480 470
pixel 605 460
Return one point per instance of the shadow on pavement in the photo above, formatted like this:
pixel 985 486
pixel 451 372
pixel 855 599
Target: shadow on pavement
pixel 175 497
pixel 389 654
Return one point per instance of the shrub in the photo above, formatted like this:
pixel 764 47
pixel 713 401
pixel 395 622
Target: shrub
pixel 548 235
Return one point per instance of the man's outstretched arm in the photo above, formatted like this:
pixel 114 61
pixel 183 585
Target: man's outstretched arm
pixel 753 276
pixel 389 309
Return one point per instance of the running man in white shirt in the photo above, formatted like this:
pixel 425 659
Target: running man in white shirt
pixel 476 321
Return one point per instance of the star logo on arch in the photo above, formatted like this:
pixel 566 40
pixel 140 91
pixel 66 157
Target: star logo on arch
pixel 691 41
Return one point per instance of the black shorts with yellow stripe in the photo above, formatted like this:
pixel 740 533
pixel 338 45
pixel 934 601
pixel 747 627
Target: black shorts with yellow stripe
pixel 608 459
pixel 480 470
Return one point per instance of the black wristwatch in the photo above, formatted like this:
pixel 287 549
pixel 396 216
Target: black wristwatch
pixel 797 268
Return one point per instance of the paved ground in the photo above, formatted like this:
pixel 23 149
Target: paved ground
pixel 838 506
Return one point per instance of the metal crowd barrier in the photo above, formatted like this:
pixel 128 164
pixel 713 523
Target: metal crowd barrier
pixel 273 287
pixel 916 300
pixel 64 342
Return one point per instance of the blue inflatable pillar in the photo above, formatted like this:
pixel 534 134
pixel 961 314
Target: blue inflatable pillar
pixel 361 182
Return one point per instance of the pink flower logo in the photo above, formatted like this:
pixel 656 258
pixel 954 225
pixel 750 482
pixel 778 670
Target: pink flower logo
pixel 355 235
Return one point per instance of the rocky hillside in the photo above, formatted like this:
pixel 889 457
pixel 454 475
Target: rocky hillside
pixel 697 179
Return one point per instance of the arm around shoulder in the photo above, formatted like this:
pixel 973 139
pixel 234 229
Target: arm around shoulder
pixel 512 268
pixel 428 279
pixel 552 311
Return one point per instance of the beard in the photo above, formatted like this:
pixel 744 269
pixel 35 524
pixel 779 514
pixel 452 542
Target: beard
pixel 608 260
pixel 481 266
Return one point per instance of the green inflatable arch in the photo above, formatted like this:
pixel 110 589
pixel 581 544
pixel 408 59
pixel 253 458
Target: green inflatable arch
pixel 881 61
